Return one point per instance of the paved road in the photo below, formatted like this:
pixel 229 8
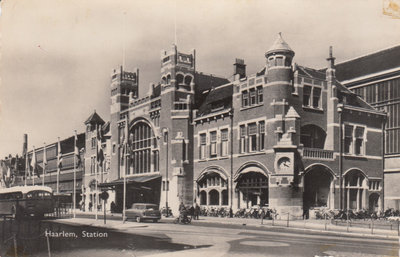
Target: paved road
pixel 207 239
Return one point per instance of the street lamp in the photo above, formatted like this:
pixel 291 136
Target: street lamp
pixel 165 141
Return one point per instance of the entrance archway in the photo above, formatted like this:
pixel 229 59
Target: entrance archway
pixel 252 187
pixel 212 186
pixel 318 187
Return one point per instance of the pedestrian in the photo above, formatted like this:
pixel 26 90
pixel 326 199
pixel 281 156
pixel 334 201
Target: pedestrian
pixel 90 206
pixel 196 212
pixel 112 206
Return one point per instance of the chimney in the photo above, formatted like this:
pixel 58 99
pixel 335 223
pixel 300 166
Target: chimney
pixel 239 68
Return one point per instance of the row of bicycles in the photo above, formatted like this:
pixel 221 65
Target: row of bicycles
pixel 389 214
pixel 255 212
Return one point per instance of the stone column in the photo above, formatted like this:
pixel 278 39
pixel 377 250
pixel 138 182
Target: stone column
pixel 358 199
pixel 348 196
pixel 220 197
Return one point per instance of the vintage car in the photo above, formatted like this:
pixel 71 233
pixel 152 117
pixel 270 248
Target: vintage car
pixel 143 211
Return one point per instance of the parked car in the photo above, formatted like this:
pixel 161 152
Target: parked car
pixel 143 211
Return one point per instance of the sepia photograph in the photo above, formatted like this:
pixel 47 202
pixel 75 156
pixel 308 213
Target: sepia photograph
pixel 199 128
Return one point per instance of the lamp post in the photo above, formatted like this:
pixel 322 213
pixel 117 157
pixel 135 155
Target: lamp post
pixel 340 108
pixel 165 138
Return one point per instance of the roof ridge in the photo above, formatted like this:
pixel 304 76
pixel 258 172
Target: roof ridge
pixel 368 54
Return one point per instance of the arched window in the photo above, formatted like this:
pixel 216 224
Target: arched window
pixel 164 80
pixel 214 197
pixel 312 136
pixel 179 79
pixel 203 198
pixel 142 145
pixel 188 80
pixel 168 79
pixel 356 188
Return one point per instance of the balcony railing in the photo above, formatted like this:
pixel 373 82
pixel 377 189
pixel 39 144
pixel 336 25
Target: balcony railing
pixel 315 153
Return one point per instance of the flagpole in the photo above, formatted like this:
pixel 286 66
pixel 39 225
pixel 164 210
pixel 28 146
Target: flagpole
pixel 44 162
pixel 26 166
pixel 125 147
pixel 96 169
pixel 58 165
pixel 33 167
pixel 74 187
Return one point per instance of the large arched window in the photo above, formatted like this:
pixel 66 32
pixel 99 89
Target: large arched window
pixel 144 155
pixel 356 189
pixel 312 136
pixel 213 185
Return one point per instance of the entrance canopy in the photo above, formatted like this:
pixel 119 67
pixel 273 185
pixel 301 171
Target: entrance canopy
pixel 130 180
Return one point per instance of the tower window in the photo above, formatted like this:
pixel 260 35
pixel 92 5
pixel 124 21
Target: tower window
pixel 279 61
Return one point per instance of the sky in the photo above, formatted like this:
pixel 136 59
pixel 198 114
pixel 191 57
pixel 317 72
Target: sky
pixel 57 56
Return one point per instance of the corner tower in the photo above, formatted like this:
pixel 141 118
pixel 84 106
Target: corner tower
pixel 124 84
pixel 279 68
pixel 177 92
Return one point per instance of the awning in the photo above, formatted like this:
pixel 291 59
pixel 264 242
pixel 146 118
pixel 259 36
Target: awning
pixel 130 180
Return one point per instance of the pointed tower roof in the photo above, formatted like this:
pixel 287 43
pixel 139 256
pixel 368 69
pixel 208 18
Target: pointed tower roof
pixel 279 45
pixel 94 119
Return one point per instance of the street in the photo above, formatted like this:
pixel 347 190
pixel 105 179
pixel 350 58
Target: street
pixel 213 239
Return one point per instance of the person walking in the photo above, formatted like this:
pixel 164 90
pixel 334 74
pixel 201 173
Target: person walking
pixel 196 211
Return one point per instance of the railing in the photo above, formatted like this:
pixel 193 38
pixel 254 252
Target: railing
pixel 315 153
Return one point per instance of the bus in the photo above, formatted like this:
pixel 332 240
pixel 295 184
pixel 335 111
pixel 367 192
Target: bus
pixel 23 201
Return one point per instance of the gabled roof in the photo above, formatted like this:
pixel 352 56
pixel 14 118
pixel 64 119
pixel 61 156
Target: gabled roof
pixel 348 97
pixel 369 64
pixel 94 119
pixel 205 82
pixel 343 93
pixel 312 73
pixel 216 99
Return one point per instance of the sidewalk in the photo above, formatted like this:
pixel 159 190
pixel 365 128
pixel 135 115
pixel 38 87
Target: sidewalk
pixel 115 221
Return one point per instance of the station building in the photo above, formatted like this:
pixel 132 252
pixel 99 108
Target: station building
pixel 289 137
pixel 55 172
pixel 375 77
